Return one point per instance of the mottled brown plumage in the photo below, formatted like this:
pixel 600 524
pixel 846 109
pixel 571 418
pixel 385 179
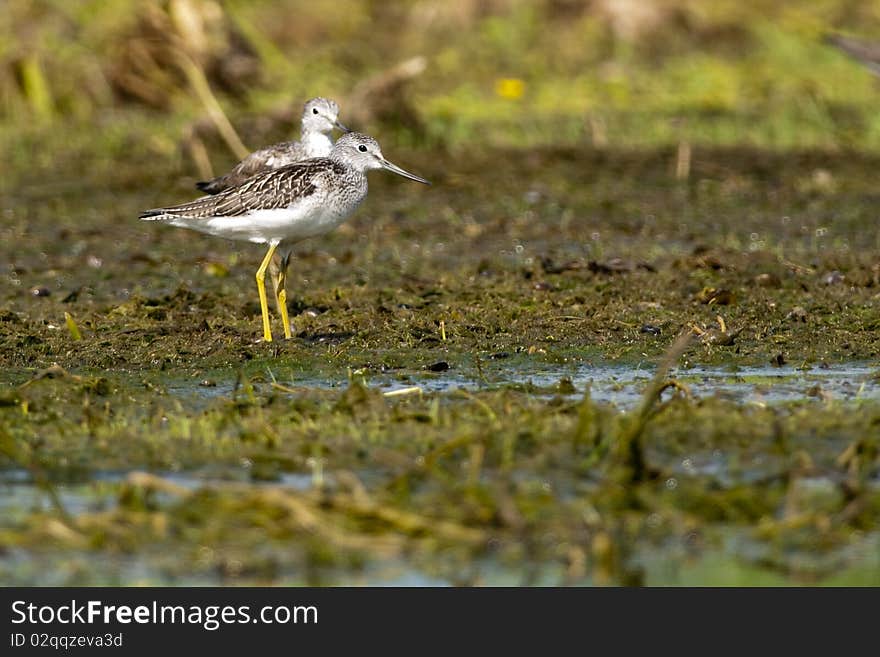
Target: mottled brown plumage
pixel 269 190
pixel 265 159
pixel 286 205
pixel 318 120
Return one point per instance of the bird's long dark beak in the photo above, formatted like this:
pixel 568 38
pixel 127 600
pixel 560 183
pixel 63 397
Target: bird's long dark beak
pixel 339 126
pixel 400 172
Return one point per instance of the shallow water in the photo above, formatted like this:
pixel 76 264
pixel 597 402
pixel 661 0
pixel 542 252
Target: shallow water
pixel 739 559
pixel 621 386
pixel 736 558
pixel 21 497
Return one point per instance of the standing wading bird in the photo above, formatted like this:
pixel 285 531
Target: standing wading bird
pixel 284 206
pixel 318 120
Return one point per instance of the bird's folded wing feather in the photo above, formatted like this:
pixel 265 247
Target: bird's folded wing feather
pixel 269 190
pixel 264 159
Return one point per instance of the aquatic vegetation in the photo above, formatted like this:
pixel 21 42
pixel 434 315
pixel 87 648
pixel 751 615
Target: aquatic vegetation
pixel 480 388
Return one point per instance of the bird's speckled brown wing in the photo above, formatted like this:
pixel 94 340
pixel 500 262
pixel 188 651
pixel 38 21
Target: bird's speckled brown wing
pixel 265 159
pixel 270 190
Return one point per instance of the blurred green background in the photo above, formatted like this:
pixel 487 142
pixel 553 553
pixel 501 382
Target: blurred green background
pixel 102 79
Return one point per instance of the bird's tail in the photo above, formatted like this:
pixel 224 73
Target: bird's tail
pixel 152 215
pixel 211 186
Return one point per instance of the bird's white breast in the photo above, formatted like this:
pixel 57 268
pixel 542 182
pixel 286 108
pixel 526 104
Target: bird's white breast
pixel 308 217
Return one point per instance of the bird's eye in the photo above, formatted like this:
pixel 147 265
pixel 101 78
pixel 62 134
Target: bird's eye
pixel 314 110
pixel 362 148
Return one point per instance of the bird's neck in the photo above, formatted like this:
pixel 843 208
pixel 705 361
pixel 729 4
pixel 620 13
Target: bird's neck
pixel 346 171
pixel 316 144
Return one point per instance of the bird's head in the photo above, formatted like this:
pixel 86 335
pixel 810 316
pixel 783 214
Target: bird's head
pixel 363 153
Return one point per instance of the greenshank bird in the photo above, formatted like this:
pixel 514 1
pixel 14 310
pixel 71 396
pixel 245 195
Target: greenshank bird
pixel 284 206
pixel 318 120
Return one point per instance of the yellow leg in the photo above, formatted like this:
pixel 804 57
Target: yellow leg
pixel 282 300
pixel 274 273
pixel 261 288
pixel 281 295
